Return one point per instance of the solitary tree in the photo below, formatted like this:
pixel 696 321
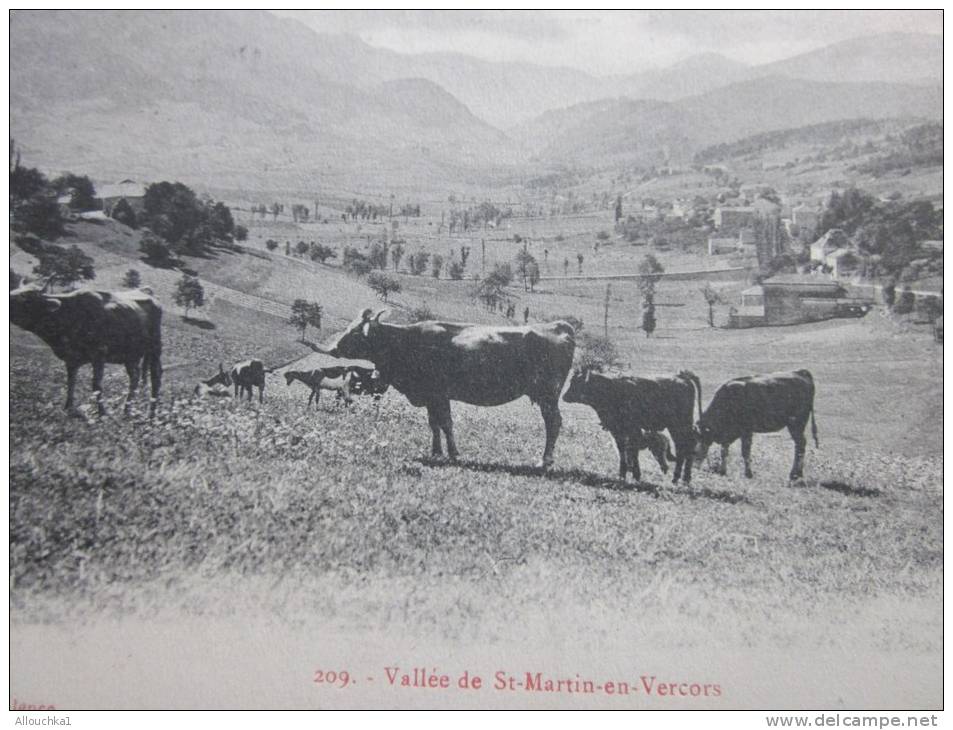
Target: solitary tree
pixel 241 233
pixel 418 262
pixel 618 209
pixel 436 264
pixel 396 253
pixel 271 244
pixel 648 317
pixel 189 293
pixel 712 297
pixel 455 270
pixel 320 252
pixel 579 260
pixel 304 313
pixel 383 284
pixel 132 280
pixel 301 248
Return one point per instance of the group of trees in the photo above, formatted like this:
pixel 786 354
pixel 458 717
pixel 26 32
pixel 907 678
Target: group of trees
pixel 181 222
pixel 888 235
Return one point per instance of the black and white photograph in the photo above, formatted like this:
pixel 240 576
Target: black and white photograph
pixel 476 359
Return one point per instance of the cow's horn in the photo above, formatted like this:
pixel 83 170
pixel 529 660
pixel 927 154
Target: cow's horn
pixel 377 317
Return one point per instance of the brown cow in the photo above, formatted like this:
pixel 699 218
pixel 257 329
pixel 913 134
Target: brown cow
pixel 434 363
pixel 629 406
pixel 759 404
pixel 96 327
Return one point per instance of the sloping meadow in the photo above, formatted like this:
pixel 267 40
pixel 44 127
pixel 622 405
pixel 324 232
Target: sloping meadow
pixel 339 513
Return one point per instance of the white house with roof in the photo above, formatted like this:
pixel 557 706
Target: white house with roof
pixel 129 190
pixel 834 239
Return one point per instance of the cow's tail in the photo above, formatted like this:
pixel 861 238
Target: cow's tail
pixel 814 430
pixel 696 385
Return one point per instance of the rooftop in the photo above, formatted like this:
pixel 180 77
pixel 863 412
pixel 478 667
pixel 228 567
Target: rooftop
pixel 800 280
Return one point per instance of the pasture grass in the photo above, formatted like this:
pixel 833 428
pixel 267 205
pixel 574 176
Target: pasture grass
pixel 341 514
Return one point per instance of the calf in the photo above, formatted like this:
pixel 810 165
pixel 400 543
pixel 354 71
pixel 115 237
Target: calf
pixel 630 406
pixel 217 385
pixel 246 375
pixel 367 381
pixel 759 404
pixel 318 380
pixel 96 327
pixel 657 444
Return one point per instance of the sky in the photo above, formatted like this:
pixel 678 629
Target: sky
pixel 614 41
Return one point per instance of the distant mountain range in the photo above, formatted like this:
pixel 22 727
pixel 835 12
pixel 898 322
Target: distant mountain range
pixel 249 100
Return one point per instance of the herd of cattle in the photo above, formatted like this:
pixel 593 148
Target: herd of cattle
pixel 434 363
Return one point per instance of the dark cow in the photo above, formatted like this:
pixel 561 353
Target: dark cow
pixel 629 406
pixel 759 404
pixel 96 327
pixel 433 363
pixel 318 380
pixel 246 375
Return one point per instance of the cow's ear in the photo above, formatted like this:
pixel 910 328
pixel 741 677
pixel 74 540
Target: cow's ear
pixel 220 368
pixel 366 315
pixel 51 304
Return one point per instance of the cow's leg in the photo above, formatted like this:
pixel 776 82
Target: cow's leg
pixel 132 370
pixel 71 370
pixel 549 407
pixel 684 454
pixel 261 393
pixel 155 380
pixel 311 398
pixel 434 419
pixel 723 467
pixel 800 446
pixel 623 447
pixel 446 423
pixel 98 368
pixel 746 439
pixel 658 451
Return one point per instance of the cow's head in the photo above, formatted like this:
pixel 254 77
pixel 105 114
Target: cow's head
pixel 220 378
pixel 30 307
pixel 357 341
pixel 703 441
pixel 578 390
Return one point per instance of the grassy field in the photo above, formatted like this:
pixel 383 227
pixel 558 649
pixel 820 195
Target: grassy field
pixel 253 544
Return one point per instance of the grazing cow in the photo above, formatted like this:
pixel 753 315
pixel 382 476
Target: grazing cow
pixel 629 406
pixel 217 385
pixel 318 380
pixel 433 363
pixel 96 327
pixel 759 404
pixel 248 374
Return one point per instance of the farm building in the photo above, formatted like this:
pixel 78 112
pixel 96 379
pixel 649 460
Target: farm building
pixel 793 299
pixel 130 190
pixel 734 218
